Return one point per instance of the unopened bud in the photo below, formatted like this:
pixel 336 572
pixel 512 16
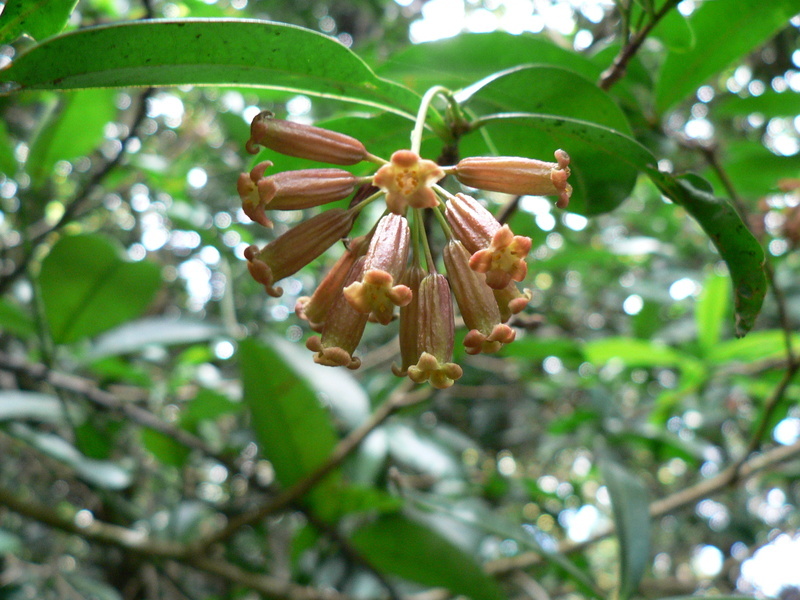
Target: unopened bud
pixel 304 141
pixel 519 176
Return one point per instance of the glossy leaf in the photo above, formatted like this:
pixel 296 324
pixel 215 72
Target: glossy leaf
pixel 675 32
pixel 464 59
pixel 710 310
pixel 20 405
pixel 721 36
pixel 737 246
pixel 294 431
pixel 240 52
pixel 87 288
pixel 604 163
pixel 544 89
pixel 74 129
pixel 769 104
pixel 397 545
pixel 758 345
pixel 631 508
pixel 36 18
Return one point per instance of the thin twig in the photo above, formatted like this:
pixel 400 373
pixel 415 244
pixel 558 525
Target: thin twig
pixel 401 398
pixel 89 390
pixel 620 64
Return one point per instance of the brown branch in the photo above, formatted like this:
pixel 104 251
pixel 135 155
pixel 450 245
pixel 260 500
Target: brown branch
pixel 685 497
pixel 89 390
pixel 400 398
pixel 620 63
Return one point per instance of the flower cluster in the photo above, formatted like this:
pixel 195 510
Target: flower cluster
pixel 392 269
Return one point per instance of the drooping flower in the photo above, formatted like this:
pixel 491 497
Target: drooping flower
pixel 342 331
pixel 304 141
pixel 497 252
pixel 377 293
pixel 435 335
pixel 476 302
pixel 516 175
pixel 296 248
pixel 409 322
pixel 407 181
pixel 291 190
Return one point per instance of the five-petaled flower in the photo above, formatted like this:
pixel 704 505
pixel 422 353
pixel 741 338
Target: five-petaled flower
pixel 393 264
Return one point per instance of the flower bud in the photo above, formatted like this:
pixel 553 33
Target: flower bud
pixel 476 303
pixel 435 335
pixel 409 322
pixel 342 331
pixel 297 247
pixel 291 190
pixel 304 141
pixel 315 309
pixel 376 293
pixel 520 176
pixel 510 301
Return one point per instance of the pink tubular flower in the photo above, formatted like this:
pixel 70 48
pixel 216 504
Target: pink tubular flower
pixel 296 248
pixel 407 181
pixel 520 176
pixel 342 331
pixel 291 190
pixel 435 335
pixel 377 294
pixel 315 308
pixel 497 252
pixel 476 302
pixel 304 141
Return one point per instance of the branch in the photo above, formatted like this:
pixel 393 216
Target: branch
pixel 89 390
pixel 703 489
pixel 620 64
pixel 400 398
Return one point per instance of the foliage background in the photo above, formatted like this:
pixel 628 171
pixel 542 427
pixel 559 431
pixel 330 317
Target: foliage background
pixel 163 433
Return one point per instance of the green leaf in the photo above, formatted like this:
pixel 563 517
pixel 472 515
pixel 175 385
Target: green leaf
pixel 710 310
pixel 544 89
pixel 630 505
pixel 9 543
pixel 737 246
pixel 38 18
pixel 74 129
pixel 758 345
pixel 605 162
pixel 466 58
pixel 770 104
pixel 754 170
pixel 395 544
pixel 208 405
pixel 87 288
pixel 675 32
pixel 294 431
pixel 14 320
pixel 8 162
pixel 164 448
pixel 722 36
pixel 241 52
pixel 633 353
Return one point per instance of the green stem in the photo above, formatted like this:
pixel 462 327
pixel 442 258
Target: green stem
pixel 431 264
pixel 366 201
pixel 419 125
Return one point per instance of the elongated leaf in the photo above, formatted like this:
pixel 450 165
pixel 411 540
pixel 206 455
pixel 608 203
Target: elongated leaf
pixel 710 310
pixel 240 52
pixel 38 18
pixel 87 288
pixel 545 89
pixel 605 162
pixel 721 37
pixel 758 345
pixel 630 505
pixel 633 352
pixel 73 130
pixel 14 320
pixel 464 59
pixel 395 544
pixel 733 240
pixel 769 104
pixel 20 405
pixel 293 430
pixel 101 473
